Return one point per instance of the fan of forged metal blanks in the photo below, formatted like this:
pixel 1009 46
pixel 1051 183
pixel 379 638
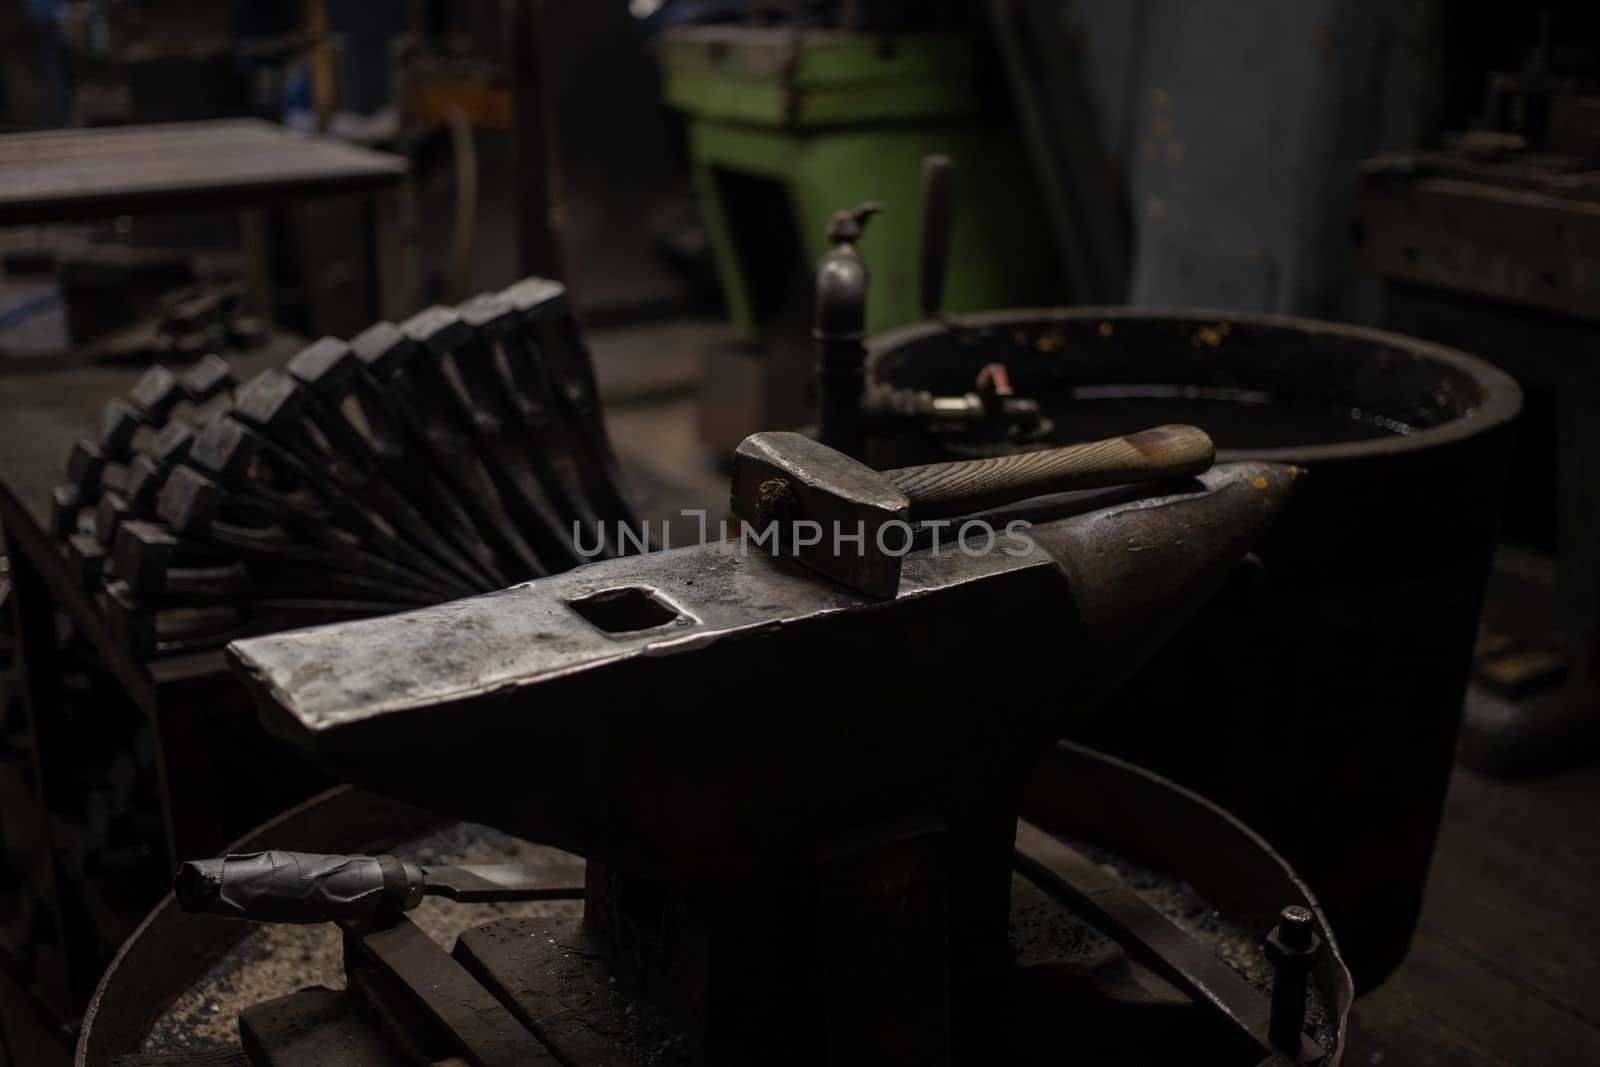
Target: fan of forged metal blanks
pixel 455 453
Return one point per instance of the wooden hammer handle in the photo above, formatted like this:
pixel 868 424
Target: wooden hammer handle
pixel 937 490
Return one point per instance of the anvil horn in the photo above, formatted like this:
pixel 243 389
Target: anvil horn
pixel 706 712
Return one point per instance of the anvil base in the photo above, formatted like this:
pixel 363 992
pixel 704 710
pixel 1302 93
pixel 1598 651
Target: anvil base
pixel 620 988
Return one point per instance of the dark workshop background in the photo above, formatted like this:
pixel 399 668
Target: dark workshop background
pixel 1241 156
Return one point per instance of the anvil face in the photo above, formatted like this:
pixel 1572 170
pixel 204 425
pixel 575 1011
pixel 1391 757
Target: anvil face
pixel 706 713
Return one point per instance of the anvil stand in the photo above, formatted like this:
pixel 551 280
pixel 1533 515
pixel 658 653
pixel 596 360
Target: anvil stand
pixel 542 991
pixel 855 958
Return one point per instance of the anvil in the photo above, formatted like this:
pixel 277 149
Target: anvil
pixel 709 720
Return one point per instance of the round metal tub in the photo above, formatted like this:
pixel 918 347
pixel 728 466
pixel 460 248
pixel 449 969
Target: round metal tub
pixel 1318 699
pixel 1074 791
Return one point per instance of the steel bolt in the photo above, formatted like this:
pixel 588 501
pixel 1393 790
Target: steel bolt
pixel 1297 928
pixel 1292 948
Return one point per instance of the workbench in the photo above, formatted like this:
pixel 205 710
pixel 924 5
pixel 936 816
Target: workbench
pixel 1495 253
pixel 246 165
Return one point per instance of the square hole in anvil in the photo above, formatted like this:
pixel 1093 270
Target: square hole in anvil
pixel 626 610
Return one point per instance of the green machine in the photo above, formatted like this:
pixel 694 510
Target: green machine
pixel 787 126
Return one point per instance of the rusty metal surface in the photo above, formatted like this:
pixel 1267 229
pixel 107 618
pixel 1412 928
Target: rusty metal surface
pixel 316 683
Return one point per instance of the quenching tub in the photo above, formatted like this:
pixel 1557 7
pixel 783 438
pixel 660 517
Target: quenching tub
pixel 1320 697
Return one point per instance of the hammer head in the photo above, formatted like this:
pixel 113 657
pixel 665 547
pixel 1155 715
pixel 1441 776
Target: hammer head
pixel 210 376
pixel 839 517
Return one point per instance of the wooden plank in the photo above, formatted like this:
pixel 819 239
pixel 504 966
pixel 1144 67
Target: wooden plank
pixel 1503 970
pixel 1396 1027
pixel 88 173
pixel 1513 245
pixel 1513 884
pixel 489 1035
pixel 313 1026
pixel 552 975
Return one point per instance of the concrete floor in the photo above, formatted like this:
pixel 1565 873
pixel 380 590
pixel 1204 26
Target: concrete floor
pixel 1505 967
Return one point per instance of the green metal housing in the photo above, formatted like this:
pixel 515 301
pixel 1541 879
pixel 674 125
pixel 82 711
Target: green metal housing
pixel 823 120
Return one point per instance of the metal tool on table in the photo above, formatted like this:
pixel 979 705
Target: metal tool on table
pixel 278 436
pixel 553 378
pixel 159 417
pixel 118 473
pixel 390 356
pixel 318 444
pixel 193 322
pixel 301 887
pixel 624 711
pixel 334 374
pixel 337 374
pixel 529 488
pixel 396 470
pixel 518 404
pixel 788 480
pixel 421 387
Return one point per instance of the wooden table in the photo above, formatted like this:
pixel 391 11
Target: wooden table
pixel 239 164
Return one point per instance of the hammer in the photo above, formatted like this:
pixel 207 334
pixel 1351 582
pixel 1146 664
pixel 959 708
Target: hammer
pixel 788 479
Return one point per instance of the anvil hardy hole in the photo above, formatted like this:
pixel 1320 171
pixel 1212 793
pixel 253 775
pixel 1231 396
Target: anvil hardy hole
pixel 623 611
